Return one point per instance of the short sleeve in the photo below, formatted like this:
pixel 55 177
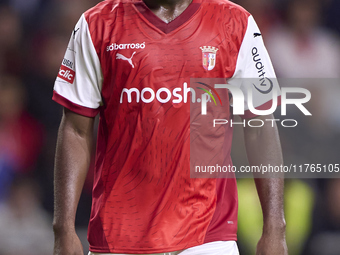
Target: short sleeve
pixel 254 73
pixel 79 81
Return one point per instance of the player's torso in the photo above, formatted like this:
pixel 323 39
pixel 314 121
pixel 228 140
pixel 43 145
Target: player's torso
pixel 146 118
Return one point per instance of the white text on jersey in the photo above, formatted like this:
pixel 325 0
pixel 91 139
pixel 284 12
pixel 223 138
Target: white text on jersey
pixel 162 95
pixel 115 46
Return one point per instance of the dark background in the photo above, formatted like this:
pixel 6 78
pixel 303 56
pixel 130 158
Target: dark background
pixel 302 39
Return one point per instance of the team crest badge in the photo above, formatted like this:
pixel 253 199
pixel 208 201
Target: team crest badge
pixel 208 57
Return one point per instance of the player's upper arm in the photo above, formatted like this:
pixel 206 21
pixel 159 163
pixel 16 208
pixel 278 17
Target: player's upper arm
pixel 79 82
pixel 254 73
pixel 79 125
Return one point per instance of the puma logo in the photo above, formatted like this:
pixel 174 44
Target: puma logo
pixel 74 32
pixel 122 57
pixel 256 35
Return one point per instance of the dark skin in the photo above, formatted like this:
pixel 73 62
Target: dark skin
pixel 71 165
pixel 167 10
pixel 73 156
pixel 263 147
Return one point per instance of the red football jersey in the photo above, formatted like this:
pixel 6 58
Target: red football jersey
pixel 126 64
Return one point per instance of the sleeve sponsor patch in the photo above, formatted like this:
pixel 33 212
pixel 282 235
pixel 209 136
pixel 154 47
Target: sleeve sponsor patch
pixel 66 74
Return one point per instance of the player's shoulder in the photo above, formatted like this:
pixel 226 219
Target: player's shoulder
pixel 106 8
pixel 228 8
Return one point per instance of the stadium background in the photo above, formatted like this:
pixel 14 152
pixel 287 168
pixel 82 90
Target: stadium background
pixel 302 37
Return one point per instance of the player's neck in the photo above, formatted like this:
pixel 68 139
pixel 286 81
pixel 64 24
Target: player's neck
pixel 167 10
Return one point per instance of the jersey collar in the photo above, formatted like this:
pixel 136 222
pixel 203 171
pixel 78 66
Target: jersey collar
pixel 171 26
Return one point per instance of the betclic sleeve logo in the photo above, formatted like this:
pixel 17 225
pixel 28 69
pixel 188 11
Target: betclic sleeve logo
pixel 65 72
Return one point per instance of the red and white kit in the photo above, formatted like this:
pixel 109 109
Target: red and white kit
pixel 133 69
